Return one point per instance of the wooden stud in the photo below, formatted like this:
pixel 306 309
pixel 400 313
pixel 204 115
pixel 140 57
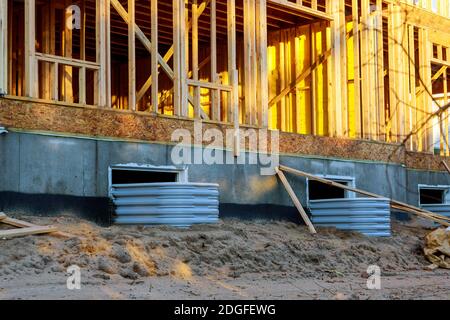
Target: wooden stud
pixel 131 55
pixel 3 46
pixel 67 76
pixel 412 84
pixel 108 62
pixel 249 62
pixel 82 85
pixel 30 49
pixel 195 66
pixel 154 53
pixel 295 200
pixel 262 101
pixel 357 68
pixel 101 48
pixel 215 107
pixel 379 84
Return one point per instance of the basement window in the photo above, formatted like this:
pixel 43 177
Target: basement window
pixel 318 191
pixel 433 194
pixel 130 174
pixel 141 176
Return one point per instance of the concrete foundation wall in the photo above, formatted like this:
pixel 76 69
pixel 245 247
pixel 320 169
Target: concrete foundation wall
pixel 49 174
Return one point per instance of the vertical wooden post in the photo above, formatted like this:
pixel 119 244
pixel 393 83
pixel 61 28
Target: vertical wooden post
pixel 231 44
pixel 83 31
pixel 356 67
pixel 30 49
pixel 195 68
pixel 262 98
pixel 179 62
pixel 107 66
pixel 67 77
pixel 366 62
pixel 446 113
pixel 3 46
pixel 55 90
pixel 82 71
pixel 102 47
pixel 425 54
pixel 249 61
pixel 215 108
pixel 233 110
pixel 176 58
pixel 82 85
pixel 412 82
pixel 379 85
pixel 154 54
pixel 337 69
pixel 131 55
pixel 393 99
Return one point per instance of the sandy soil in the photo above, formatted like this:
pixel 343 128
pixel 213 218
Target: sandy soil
pixel 231 260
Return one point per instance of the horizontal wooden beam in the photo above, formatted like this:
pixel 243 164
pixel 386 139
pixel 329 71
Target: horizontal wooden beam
pixel 301 8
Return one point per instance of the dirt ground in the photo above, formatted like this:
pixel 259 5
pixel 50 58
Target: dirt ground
pixel 231 260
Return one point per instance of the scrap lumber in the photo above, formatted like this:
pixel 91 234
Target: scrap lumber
pixel 17 223
pixel 394 203
pixel 27 228
pixel 5 234
pixel 297 203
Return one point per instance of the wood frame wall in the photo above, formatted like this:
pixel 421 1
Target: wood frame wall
pixel 368 72
pixel 3 46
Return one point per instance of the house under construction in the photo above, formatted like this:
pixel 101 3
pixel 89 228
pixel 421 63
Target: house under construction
pixel 92 90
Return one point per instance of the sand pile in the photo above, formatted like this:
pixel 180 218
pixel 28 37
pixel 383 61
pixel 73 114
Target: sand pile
pixel 229 248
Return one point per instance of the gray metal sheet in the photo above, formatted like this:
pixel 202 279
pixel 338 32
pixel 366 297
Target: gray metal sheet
pixel 442 209
pixel 176 204
pixel 369 216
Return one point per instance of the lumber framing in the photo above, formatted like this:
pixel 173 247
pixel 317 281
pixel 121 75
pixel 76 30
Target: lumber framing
pixel 339 68
pixel 3 46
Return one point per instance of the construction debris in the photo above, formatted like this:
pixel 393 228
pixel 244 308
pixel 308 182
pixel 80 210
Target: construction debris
pixel 437 248
pixel 23 228
pixel 443 220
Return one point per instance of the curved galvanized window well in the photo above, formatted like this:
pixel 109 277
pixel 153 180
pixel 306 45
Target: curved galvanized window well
pixel 435 198
pixel 369 216
pixel 334 207
pixel 149 195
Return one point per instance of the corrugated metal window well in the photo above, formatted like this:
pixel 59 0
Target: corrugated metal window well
pixel 161 195
pixel 335 207
pixel 435 198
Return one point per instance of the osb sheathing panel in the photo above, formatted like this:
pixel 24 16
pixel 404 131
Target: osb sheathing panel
pixel 425 161
pixel 137 126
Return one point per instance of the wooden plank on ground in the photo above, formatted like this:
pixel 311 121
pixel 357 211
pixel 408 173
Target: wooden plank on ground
pixel 26 231
pixel 297 203
pixel 17 223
